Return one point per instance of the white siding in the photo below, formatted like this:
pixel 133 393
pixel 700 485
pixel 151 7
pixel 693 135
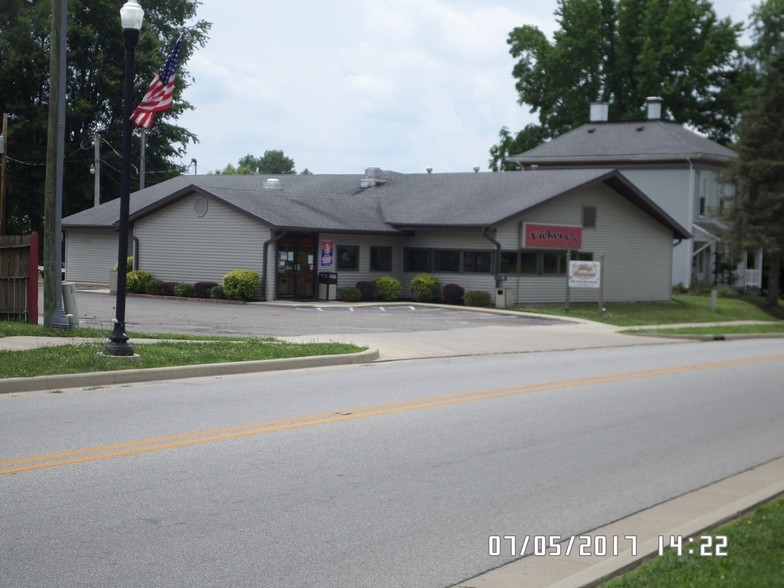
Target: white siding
pixel 175 244
pixel 637 249
pixel 90 255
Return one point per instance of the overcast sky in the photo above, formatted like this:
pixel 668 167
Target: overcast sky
pixel 343 85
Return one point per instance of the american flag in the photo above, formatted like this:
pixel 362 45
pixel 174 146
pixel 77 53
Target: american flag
pixel 159 95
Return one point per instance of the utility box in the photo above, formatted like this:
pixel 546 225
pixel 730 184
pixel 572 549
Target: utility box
pixel 69 304
pixel 328 286
pixel 505 297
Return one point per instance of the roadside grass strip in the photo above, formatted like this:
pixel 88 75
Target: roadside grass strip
pixel 754 556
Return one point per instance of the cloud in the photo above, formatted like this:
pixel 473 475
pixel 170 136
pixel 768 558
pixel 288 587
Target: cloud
pixel 342 85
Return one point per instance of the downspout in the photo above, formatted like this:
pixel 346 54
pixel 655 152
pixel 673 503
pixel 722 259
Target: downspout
pixel 135 252
pixel 497 256
pixel 265 248
pixel 691 218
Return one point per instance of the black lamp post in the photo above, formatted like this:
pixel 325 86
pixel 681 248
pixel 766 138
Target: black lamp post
pixel 131 15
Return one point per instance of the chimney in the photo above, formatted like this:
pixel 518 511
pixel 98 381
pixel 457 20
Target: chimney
pixel 599 111
pixel 654 107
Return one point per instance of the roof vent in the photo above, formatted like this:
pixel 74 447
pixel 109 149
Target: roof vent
pixel 430 170
pixel 592 130
pixel 372 178
pixel 272 184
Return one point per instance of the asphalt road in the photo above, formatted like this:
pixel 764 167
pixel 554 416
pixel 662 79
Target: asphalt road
pixel 391 474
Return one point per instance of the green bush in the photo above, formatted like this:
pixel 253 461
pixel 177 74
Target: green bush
pixel 137 280
pixel 388 288
pixel 241 284
pixel 217 292
pixel 154 287
pixel 129 264
pixel 679 288
pixel 185 290
pixel 453 294
pixel 727 292
pixel 350 294
pixel 477 298
pixel 425 287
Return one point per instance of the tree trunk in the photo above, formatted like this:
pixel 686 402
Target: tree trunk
pixel 774 279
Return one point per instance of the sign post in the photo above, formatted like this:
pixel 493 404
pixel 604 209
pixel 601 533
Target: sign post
pixel 568 277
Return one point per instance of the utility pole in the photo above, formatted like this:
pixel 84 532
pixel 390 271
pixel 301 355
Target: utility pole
pixel 4 149
pixel 54 315
pixel 143 160
pixel 97 167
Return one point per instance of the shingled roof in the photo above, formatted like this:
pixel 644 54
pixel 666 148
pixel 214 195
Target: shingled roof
pixel 609 143
pixel 398 203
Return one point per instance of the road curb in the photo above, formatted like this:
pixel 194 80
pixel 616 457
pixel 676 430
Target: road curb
pixel 60 381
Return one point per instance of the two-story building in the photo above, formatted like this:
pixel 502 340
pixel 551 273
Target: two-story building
pixel 678 169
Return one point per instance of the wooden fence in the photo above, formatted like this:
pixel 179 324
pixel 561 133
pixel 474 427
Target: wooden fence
pixel 19 278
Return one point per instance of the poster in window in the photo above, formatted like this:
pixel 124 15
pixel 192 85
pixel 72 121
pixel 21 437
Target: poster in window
pixel 327 252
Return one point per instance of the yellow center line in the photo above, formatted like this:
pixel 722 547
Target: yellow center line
pixel 23 464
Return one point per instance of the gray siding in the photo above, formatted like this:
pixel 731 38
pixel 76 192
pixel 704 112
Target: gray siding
pixel 637 249
pixel 177 245
pixel 364 242
pixel 90 255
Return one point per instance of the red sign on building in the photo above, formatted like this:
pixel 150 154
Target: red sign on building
pixel 537 236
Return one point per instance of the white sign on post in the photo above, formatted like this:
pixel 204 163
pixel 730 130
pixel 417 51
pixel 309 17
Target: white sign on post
pixel 585 274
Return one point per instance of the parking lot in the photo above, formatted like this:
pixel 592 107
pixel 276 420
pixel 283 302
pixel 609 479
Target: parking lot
pixel 161 315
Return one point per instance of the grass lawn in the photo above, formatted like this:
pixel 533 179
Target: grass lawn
pixel 755 557
pixel 683 309
pixel 184 350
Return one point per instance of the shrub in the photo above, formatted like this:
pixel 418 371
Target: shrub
pixel 388 288
pixel 129 264
pixel 679 288
pixel 217 293
pixel 477 298
pixel 167 288
pixel 368 290
pixel 425 287
pixel 453 294
pixel 202 289
pixel 153 287
pixel 137 280
pixel 185 290
pixel 350 294
pixel 724 291
pixel 241 284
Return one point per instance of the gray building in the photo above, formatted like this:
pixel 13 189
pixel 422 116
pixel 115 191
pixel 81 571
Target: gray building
pixel 477 230
pixel 677 168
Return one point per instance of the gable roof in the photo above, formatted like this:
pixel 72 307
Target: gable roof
pixel 337 203
pixel 603 142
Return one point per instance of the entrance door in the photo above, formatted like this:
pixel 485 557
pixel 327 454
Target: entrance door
pixel 296 275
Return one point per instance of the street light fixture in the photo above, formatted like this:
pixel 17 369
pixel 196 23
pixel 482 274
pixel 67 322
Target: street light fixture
pixel 131 15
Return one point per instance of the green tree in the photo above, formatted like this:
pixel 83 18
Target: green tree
pixel 273 161
pixel 95 61
pixel 754 217
pixel 621 52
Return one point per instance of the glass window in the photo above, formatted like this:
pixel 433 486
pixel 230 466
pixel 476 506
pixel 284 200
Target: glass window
pixel 478 261
pixel 589 217
pixel 529 262
pixel 416 260
pixel 553 262
pixel 509 262
pixel 582 256
pixel 446 260
pixel 348 257
pixel 381 259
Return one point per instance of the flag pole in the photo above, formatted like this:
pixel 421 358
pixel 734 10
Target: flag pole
pixel 142 167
